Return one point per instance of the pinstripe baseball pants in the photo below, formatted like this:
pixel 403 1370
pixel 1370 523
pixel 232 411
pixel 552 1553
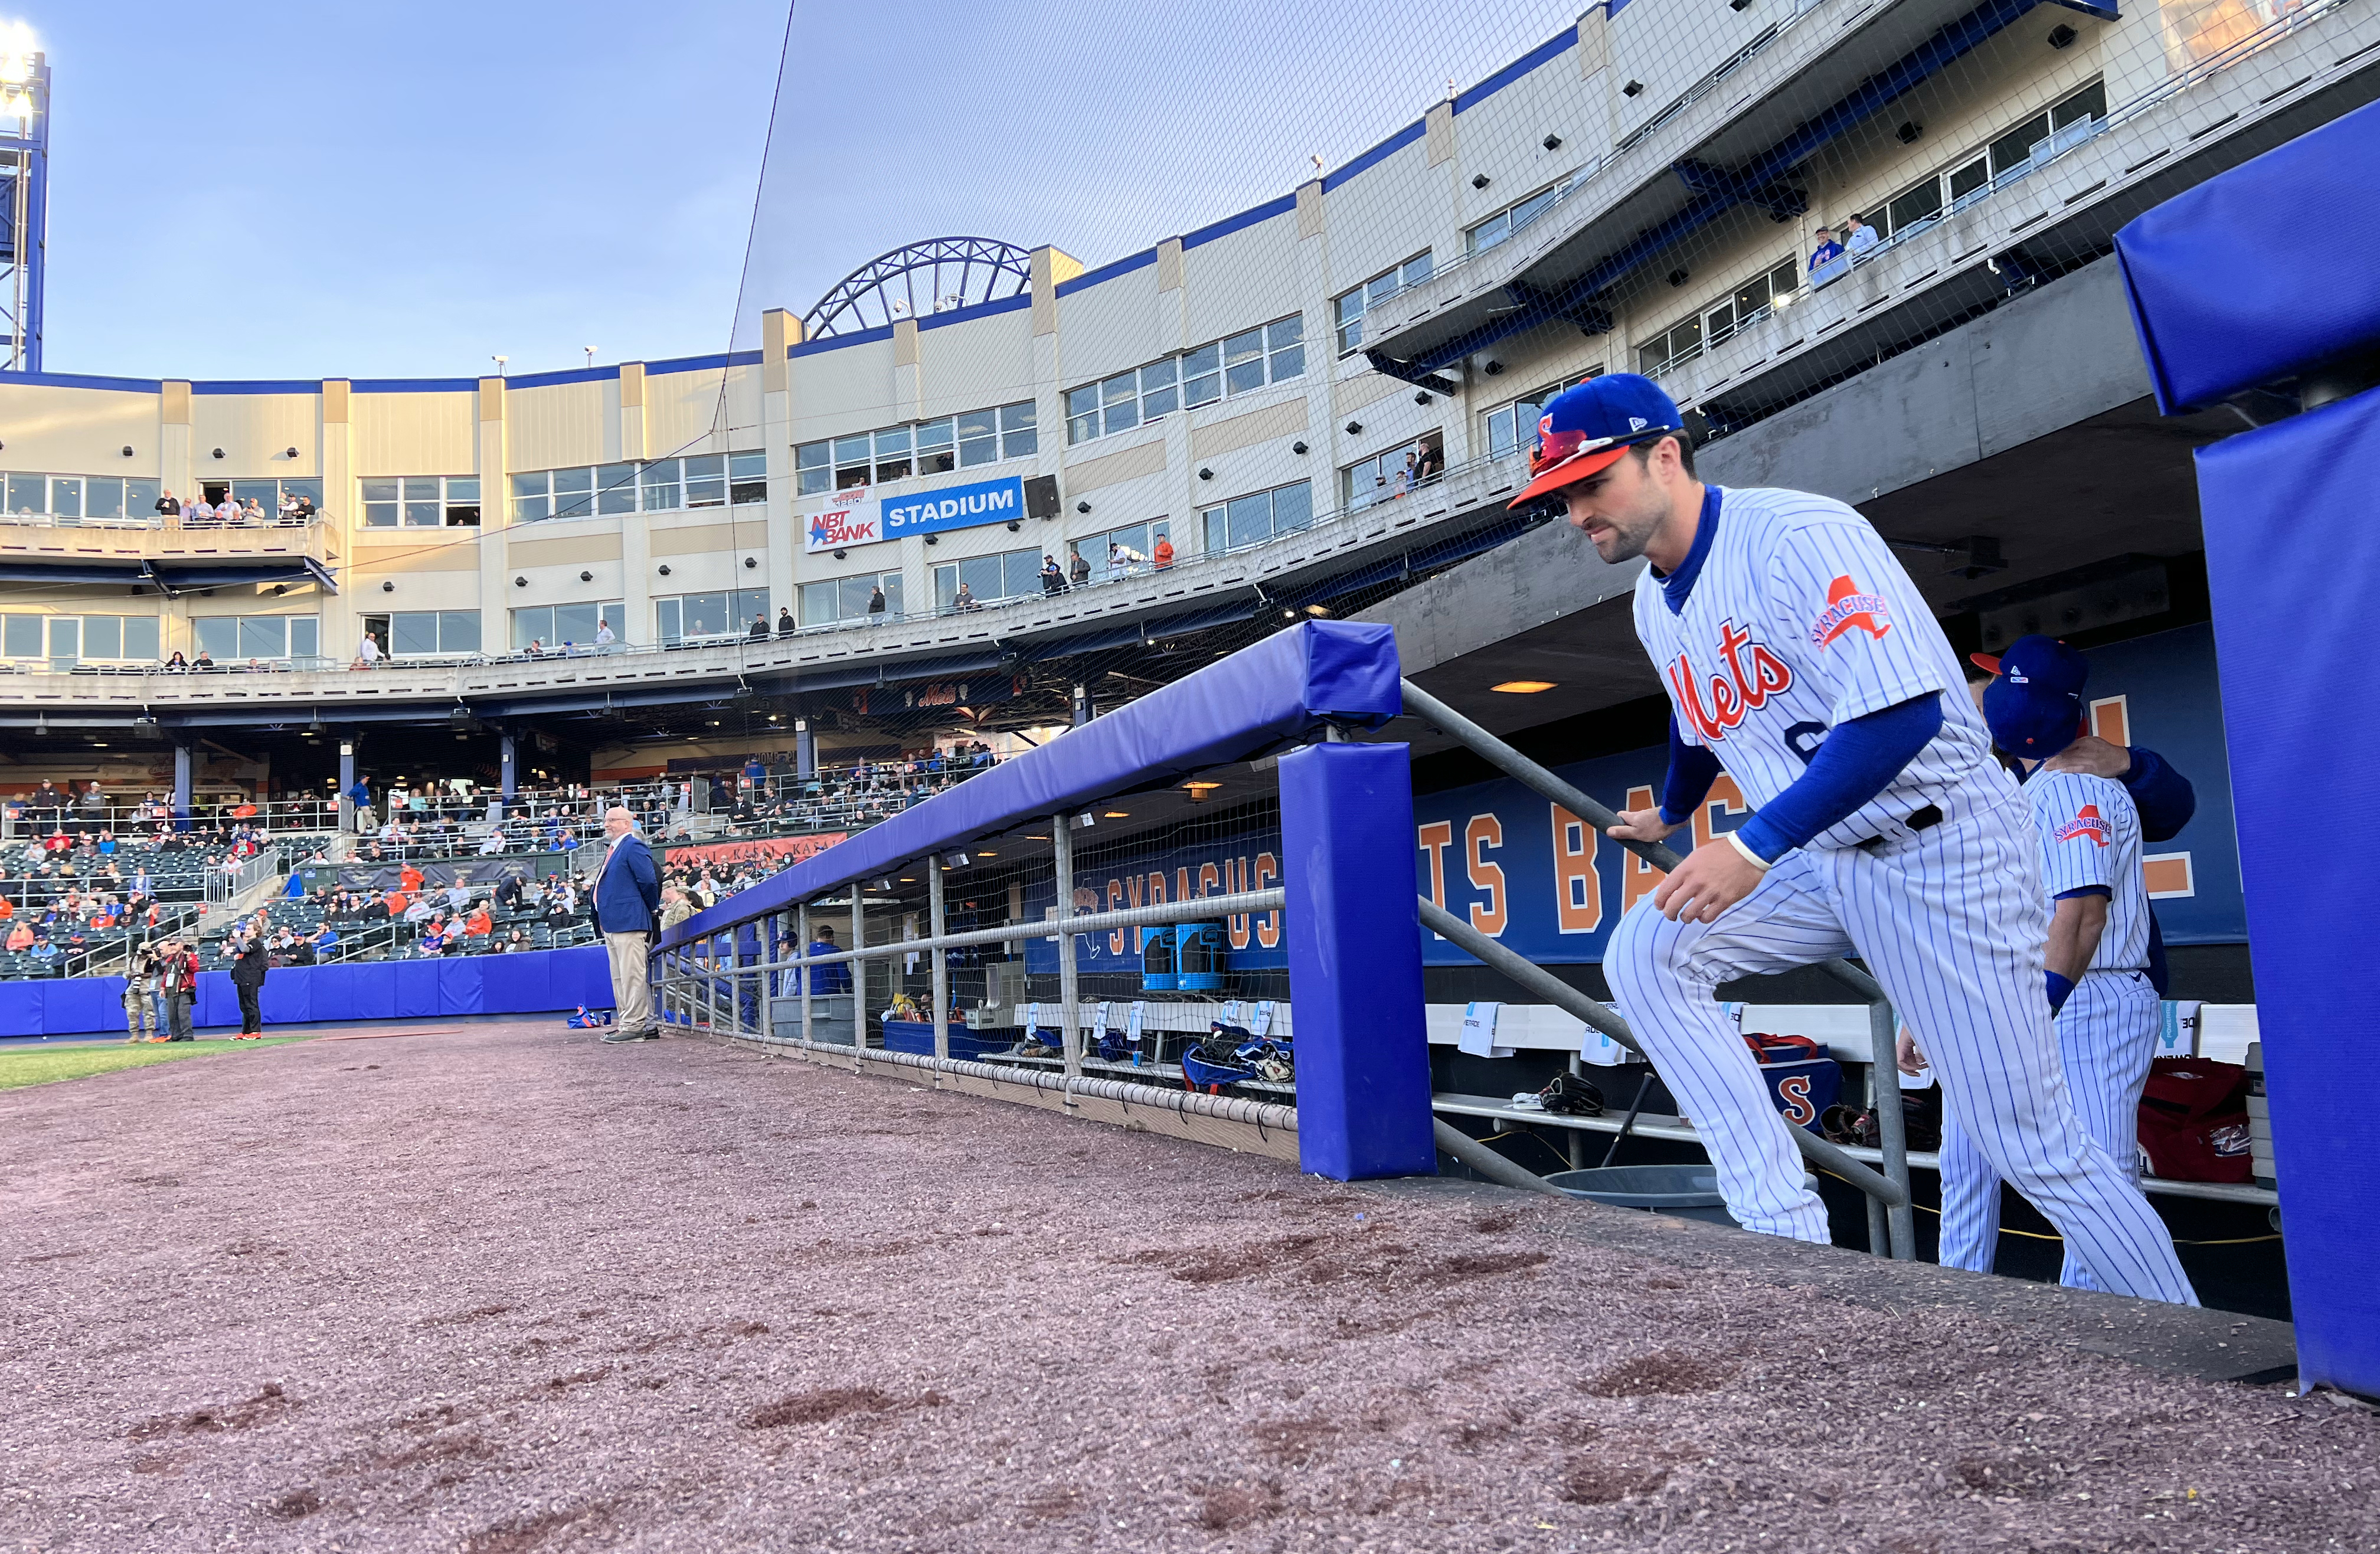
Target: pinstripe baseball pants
pixel 2107 1035
pixel 1951 921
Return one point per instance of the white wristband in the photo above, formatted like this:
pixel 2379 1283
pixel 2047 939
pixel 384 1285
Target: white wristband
pixel 1754 859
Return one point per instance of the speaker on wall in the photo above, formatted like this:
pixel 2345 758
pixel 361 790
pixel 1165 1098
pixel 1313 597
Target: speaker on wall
pixel 1041 496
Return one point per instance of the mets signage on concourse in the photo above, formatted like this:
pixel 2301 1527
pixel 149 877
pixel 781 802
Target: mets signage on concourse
pixel 853 517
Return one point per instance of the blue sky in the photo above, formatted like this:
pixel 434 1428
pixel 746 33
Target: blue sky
pixel 283 189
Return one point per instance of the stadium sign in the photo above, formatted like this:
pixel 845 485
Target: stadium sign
pixel 852 519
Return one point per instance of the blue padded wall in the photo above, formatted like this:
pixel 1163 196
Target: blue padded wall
pixel 532 982
pixel 2293 563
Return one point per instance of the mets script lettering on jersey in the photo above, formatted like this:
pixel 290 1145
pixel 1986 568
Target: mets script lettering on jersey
pixel 1754 674
pixel 1847 606
pixel 2087 823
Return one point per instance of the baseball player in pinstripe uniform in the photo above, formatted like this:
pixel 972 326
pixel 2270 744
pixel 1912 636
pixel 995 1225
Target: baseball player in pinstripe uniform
pixel 2100 991
pixel 1800 658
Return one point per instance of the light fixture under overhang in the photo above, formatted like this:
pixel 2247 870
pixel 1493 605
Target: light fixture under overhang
pixel 1522 688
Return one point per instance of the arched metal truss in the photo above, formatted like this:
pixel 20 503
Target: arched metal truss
pixel 919 281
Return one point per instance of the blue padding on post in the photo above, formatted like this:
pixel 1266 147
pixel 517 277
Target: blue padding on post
pixel 582 975
pixel 459 986
pixel 2292 562
pixel 335 990
pixel 416 983
pixel 1354 963
pixel 1255 699
pixel 375 990
pixel 83 1005
pixel 2219 307
pixel 287 997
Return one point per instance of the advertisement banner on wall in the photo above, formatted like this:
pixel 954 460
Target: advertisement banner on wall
pixel 848 518
pixel 853 517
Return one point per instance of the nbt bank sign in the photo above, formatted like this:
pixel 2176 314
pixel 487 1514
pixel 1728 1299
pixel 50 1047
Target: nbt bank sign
pixel 853 517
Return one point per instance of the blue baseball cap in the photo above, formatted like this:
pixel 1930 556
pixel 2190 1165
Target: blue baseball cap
pixel 2035 708
pixel 1587 427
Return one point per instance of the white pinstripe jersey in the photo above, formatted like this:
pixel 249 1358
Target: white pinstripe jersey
pixel 1801 620
pixel 2091 835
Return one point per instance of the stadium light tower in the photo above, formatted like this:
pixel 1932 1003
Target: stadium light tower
pixel 24 195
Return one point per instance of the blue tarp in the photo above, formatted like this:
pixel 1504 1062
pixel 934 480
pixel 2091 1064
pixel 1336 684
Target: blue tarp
pixel 530 982
pixel 2292 560
pixel 1253 700
pixel 2263 272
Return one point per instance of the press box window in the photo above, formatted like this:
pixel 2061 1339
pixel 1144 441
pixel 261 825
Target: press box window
pixel 694 615
pixel 1010 574
pixel 1347 311
pixel 424 633
pixel 560 625
pixel 230 639
pixel 121 638
pixel 1252 520
pixel 1514 426
pixel 421 502
pixel 846 598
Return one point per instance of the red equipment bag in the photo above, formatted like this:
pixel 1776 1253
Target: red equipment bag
pixel 2193 1123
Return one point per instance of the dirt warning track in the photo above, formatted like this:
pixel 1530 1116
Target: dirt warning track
pixel 498 1288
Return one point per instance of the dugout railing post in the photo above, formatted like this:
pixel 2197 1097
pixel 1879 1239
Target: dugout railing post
pixel 935 927
pixel 1891 1212
pixel 1069 987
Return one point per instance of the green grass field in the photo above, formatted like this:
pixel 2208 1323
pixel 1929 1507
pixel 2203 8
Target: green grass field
pixel 20 1066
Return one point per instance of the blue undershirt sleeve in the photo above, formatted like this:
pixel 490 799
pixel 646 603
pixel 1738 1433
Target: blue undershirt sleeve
pixel 2163 796
pixel 1857 762
pixel 1693 770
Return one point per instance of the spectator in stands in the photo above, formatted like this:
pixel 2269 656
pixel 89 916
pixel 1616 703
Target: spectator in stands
pixel 1164 553
pixel 433 938
pixel 494 843
pixel 876 601
pixel 516 941
pixel 760 630
pixel 367 652
pixel 627 898
pixel 202 663
pixel 324 939
pixel 603 638
pixel 1827 251
pixel 177 664
pixel 535 647
pixel 421 910
pixel 1859 235
pixel 45 808
pixel 408 877
pixel 198 515
pixel 93 804
pixel 1122 559
pixel 305 509
pixel 676 908
pixel 1078 571
pixel 287 511
pixel 479 923
pixel 785 626
pixel 458 894
pixel 169 506
pixel 20 937
pixel 1053 578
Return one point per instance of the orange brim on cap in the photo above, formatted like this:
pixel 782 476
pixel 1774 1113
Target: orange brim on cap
pixel 1988 662
pixel 1576 467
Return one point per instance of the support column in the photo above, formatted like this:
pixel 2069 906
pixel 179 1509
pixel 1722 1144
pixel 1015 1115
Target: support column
pixel 181 787
pixel 942 964
pixel 346 782
pixel 1062 844
pixel 802 932
pixel 1084 710
pixel 508 766
pixel 805 750
pixel 858 969
pixel 1354 963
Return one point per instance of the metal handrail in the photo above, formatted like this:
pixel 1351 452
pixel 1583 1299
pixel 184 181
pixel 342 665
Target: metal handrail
pixel 1892 1218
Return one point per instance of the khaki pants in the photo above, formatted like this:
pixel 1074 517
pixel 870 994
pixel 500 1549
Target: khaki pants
pixel 632 989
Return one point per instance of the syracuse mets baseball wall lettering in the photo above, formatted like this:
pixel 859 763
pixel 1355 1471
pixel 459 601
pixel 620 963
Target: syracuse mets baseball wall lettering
pixel 854 518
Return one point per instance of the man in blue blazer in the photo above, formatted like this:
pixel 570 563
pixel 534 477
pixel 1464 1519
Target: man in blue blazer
pixel 627 904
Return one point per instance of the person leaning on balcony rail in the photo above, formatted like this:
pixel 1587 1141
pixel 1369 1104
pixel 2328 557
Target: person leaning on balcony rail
pixel 196 514
pixel 1053 578
pixel 202 663
pixel 367 652
pixel 1858 235
pixel 603 638
pixel 785 626
pixel 759 629
pixel 1827 251
pixel 177 664
pixel 1163 554
pixel 169 507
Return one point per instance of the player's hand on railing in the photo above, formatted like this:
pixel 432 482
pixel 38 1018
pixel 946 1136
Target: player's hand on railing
pixel 1906 1055
pixel 1640 825
pixel 1713 878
